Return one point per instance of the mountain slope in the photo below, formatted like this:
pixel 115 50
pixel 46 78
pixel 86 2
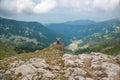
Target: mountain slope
pixel 106 41
pixel 26 36
pixel 52 64
pixel 80 31
pixel 95 37
pixel 80 22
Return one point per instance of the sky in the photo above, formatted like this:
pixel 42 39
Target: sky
pixel 57 11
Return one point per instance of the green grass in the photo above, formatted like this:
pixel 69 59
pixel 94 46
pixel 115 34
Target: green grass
pixel 113 51
pixel 6 50
pixel 107 49
pixel 3 55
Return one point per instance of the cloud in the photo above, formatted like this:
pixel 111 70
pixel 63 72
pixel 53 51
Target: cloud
pixel 26 6
pixel 90 5
pixel 76 4
pixel 44 6
pixel 60 10
pixel 107 5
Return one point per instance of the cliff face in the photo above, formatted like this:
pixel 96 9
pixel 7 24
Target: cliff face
pixel 53 64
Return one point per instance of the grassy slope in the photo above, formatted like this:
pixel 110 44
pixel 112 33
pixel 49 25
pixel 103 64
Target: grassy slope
pixel 6 51
pixel 109 44
pixel 111 49
pixel 52 55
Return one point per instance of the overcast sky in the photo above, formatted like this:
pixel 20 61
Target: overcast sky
pixel 52 11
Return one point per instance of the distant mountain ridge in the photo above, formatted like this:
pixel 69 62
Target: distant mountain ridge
pixel 79 31
pixel 26 36
pixel 80 22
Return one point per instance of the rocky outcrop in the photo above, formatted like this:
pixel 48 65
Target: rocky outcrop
pixel 94 66
pixel 32 69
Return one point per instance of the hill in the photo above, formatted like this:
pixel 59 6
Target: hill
pixel 80 22
pixel 27 36
pixel 106 40
pixel 53 63
pixel 79 31
pixel 95 37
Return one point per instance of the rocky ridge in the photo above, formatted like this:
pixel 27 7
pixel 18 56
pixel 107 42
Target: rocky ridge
pixel 52 64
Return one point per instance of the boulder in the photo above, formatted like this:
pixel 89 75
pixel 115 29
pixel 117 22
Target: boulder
pixel 25 70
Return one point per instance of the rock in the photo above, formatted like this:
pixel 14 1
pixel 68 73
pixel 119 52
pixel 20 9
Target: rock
pixel 25 70
pixel 71 78
pixel 89 79
pixel 31 76
pixel 94 66
pixel 2 71
pixel 24 78
pixel 106 78
pixel 101 57
pixel 74 72
pixel 57 68
pixel 16 63
pixel 112 70
pixel 117 58
pixel 40 65
pixel 8 72
pixel 99 74
pixel 85 56
pixel 79 78
pixel 33 60
pixel 72 60
pixel 40 70
pixel 66 56
pixel 48 74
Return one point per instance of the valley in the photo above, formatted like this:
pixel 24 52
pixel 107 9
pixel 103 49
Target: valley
pixel 81 36
pixel 27 36
pixel 92 36
pixel 59 39
pixel 84 50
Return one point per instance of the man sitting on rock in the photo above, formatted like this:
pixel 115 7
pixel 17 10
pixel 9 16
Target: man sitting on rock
pixel 58 41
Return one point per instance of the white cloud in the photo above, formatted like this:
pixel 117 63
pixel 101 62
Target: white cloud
pixel 107 5
pixel 44 6
pixel 30 6
pixel 64 6
pixel 89 5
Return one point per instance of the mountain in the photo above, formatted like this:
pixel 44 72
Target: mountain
pixel 80 22
pixel 70 28
pixel 56 62
pixel 26 36
pixel 97 37
pixel 53 63
pixel 81 31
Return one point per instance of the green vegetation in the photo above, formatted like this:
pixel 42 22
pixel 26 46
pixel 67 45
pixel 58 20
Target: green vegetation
pixel 6 50
pixel 111 50
pixel 27 36
pixel 52 55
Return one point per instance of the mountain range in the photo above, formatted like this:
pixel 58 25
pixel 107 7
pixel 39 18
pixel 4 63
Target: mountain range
pixel 27 36
pixel 96 36
pixel 85 35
